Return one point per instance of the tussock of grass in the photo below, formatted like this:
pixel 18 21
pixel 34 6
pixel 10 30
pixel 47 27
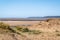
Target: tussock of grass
pixel 26 30
pixel 56 31
pixel 36 32
pixel 3 26
pixel 58 34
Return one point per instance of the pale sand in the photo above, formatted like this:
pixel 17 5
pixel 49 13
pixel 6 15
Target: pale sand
pixel 20 22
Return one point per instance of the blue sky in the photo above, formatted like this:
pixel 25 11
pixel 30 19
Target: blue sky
pixel 29 8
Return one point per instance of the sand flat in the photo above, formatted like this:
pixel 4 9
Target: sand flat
pixel 20 22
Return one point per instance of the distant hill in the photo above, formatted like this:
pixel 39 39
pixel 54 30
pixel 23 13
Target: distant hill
pixel 29 18
pixel 46 17
pixel 52 17
pixel 21 19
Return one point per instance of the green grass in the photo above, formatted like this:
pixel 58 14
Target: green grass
pixel 26 30
pixel 3 26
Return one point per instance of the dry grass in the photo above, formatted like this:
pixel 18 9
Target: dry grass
pixel 39 30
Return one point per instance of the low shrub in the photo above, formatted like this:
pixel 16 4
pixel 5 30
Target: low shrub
pixel 25 30
pixel 3 26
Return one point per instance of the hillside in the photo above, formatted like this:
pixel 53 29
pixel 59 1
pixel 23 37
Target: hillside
pixel 40 30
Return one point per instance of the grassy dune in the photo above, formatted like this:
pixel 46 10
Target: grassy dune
pixel 41 30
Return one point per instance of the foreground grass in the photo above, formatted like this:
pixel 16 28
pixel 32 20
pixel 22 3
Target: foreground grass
pixel 26 30
pixel 17 29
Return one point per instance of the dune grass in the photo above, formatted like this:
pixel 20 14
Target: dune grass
pixel 18 29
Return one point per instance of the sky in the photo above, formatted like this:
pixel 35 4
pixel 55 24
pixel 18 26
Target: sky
pixel 29 8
